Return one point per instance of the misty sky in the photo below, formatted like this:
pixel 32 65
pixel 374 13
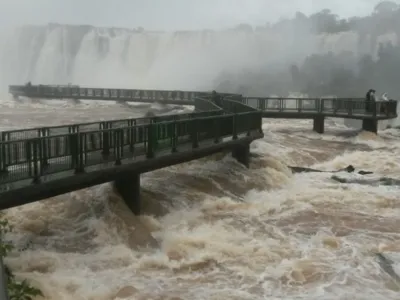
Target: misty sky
pixel 169 14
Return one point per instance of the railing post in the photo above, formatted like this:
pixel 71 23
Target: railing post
pixel 118 136
pixel 7 148
pixel 45 147
pixel 85 150
pixel 3 151
pixel 150 141
pixel 80 168
pixel 105 138
pixel 156 133
pixel 73 141
pixel 35 159
pixel 194 133
pixel 234 124
pixel 174 137
pixel 132 135
pixel 29 156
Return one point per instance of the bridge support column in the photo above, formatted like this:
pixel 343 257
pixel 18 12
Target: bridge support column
pixel 16 98
pixel 74 101
pixel 128 187
pixel 319 124
pixel 242 154
pixel 370 125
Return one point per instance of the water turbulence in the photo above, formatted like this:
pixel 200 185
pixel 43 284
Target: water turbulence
pixel 213 229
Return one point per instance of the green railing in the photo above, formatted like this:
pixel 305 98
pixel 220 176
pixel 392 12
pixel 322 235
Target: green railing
pixel 35 157
pixel 339 106
pixel 207 108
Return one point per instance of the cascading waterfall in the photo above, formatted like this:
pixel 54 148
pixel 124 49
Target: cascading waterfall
pixel 58 54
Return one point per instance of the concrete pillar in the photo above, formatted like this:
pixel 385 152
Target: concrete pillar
pixel 16 98
pixel 74 101
pixel 370 125
pixel 319 124
pixel 128 187
pixel 242 154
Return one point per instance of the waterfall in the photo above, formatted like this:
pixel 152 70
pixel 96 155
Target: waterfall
pixel 86 55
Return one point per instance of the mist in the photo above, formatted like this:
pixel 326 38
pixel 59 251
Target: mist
pixel 253 47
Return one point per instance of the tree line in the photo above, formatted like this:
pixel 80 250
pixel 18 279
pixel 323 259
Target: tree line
pixel 344 74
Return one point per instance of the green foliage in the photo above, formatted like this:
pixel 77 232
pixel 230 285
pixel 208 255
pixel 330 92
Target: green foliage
pixel 5 227
pixel 22 291
pixel 16 290
pixel 347 75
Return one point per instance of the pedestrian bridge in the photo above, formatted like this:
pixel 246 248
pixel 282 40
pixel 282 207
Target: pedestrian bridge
pixel 39 163
pixel 316 109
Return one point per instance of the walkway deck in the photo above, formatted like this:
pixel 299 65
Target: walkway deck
pixel 79 155
pixel 42 162
pixel 303 108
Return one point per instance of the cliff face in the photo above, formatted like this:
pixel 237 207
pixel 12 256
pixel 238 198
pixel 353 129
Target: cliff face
pixel 86 55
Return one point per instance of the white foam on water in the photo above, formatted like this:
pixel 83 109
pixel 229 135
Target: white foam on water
pixel 217 230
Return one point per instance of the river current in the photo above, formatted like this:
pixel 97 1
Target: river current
pixel 212 229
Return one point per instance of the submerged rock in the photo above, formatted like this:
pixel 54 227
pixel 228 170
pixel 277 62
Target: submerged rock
pixel 381 181
pixel 387 265
pixel 126 292
pixel 348 169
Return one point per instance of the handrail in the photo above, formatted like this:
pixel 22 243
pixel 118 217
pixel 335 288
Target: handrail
pixel 206 105
pixel 33 158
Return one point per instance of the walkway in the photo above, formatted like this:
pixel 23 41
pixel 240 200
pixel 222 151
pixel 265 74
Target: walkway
pixel 75 156
pixel 43 162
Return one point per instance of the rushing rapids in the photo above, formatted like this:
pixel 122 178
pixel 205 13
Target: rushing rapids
pixel 213 229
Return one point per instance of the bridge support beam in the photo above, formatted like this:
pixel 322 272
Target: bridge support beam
pixel 319 124
pixel 370 125
pixel 128 187
pixel 242 154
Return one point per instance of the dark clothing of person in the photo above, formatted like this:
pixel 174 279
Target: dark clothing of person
pixel 370 101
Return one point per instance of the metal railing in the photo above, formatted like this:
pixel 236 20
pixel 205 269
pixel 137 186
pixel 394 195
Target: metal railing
pixel 34 158
pixel 206 108
pixel 338 106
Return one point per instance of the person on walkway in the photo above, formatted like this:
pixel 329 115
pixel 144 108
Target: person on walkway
pixel 215 97
pixel 384 97
pixel 370 100
pixel 385 105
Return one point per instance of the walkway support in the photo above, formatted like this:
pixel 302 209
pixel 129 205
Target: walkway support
pixel 319 124
pixel 128 187
pixel 370 125
pixel 242 154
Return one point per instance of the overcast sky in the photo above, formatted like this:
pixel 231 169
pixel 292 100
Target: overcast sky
pixel 169 14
